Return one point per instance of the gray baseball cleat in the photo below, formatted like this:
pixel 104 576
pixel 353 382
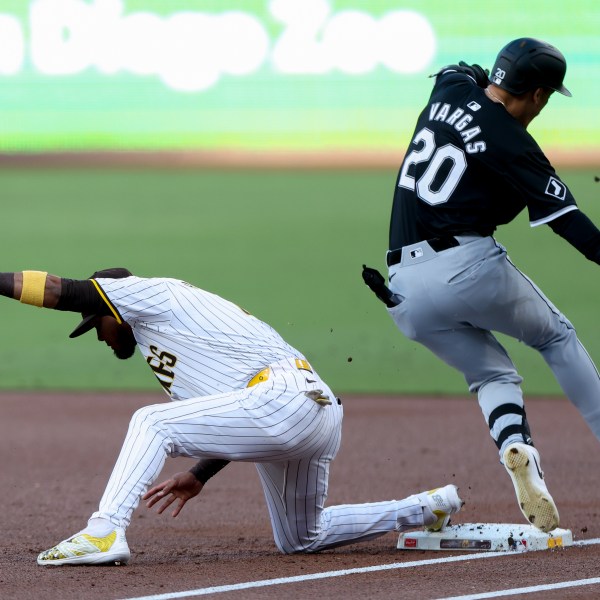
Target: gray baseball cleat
pixel 523 465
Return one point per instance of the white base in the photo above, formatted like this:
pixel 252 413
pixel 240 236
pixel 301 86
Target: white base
pixel 486 537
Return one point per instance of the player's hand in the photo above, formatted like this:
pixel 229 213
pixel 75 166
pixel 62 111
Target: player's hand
pixel 180 487
pixel 477 72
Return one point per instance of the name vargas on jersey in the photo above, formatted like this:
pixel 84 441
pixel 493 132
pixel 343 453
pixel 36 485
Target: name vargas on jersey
pixel 459 119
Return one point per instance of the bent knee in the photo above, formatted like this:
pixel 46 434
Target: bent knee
pixel 147 417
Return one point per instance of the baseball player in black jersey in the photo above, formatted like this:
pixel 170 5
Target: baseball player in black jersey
pixel 470 167
pixel 239 393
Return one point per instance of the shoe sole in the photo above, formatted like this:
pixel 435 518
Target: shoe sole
pixel 106 558
pixel 537 506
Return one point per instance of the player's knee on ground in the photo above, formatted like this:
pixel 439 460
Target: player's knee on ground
pixel 288 543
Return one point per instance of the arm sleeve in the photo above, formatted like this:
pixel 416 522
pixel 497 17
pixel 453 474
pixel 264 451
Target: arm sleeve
pixel 580 232
pixel 81 296
pixel 204 469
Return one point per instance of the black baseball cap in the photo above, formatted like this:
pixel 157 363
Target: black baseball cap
pixel 88 321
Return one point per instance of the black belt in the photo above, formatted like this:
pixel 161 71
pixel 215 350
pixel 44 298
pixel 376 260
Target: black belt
pixel 437 245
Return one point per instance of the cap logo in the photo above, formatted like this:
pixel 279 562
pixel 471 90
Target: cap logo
pixel 556 188
pixel 499 76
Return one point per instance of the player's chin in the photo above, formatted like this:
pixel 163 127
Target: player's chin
pixel 124 353
pixel 125 347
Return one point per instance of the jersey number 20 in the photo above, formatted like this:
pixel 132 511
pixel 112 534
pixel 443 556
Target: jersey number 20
pixel 435 158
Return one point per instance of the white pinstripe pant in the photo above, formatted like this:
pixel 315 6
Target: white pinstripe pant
pixel 274 424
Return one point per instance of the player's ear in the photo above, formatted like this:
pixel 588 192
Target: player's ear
pixel 540 95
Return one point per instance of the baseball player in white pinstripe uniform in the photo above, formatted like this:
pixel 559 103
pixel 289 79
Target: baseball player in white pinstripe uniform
pixel 240 393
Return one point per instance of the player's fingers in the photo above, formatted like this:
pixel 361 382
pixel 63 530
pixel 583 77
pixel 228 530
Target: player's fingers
pixel 158 491
pixel 152 501
pixel 152 491
pixel 179 506
pixel 167 502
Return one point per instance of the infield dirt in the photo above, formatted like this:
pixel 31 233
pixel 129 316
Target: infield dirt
pixel 58 449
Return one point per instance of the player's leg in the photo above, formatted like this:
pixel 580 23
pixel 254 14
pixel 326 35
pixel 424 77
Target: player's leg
pixel 477 286
pixel 489 372
pixel 154 433
pixel 444 295
pixel 493 294
pixel 296 491
pixel 260 423
pixel 452 302
pixel 530 317
pixel 275 420
pixel 540 325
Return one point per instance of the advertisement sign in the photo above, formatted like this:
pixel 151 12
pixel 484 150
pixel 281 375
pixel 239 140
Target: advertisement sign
pixel 268 75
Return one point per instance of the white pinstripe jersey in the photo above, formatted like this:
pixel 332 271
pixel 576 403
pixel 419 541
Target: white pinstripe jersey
pixel 196 342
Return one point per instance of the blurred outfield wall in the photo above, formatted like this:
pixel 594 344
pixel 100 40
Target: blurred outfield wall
pixel 306 80
pixel 259 76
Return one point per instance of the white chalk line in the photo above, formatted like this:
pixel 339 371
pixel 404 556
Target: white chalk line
pixel 526 590
pixel 372 569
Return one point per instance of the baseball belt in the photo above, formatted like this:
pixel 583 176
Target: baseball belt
pixel 302 365
pixel 436 244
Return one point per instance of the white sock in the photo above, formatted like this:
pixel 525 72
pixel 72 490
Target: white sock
pixel 99 527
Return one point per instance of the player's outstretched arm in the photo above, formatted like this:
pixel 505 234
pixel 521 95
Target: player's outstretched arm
pixel 39 288
pixel 31 287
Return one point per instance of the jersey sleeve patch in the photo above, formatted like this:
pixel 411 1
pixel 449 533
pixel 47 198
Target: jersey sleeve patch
pixel 556 188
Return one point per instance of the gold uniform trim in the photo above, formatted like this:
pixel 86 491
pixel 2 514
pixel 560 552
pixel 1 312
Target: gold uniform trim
pixel 303 365
pixel 260 377
pixel 104 297
pixel 263 375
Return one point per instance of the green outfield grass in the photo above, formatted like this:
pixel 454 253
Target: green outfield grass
pixel 287 246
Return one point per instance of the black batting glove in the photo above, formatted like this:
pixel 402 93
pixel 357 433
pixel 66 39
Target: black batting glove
pixel 375 280
pixel 478 73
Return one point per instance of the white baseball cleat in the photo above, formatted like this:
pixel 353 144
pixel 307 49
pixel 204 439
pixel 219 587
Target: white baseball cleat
pixel 442 502
pixel 523 465
pixel 84 549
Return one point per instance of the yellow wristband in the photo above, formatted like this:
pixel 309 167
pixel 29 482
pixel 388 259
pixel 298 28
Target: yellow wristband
pixel 34 286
